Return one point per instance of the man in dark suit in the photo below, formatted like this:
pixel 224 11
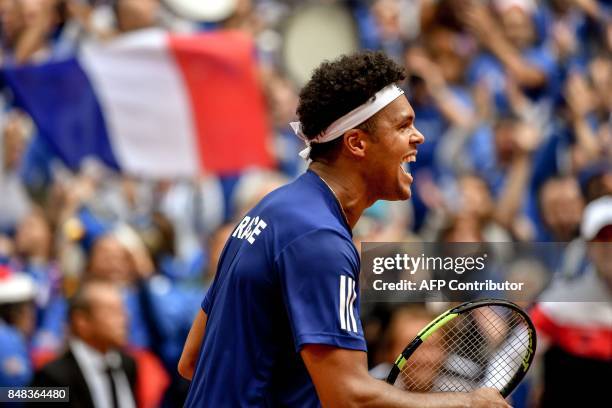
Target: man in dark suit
pixel 98 373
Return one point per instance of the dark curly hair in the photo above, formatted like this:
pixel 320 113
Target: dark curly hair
pixel 337 87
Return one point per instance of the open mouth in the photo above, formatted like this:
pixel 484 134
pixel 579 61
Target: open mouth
pixel 405 163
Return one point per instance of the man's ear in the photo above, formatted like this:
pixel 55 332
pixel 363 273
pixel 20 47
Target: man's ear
pixel 355 142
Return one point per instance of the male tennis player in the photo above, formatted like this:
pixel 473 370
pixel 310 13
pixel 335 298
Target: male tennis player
pixel 280 324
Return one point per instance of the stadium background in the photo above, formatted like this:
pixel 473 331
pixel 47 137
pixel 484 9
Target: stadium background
pixel 513 97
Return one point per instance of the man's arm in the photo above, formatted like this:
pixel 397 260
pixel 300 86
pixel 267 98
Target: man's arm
pixel 479 21
pixel 189 357
pixel 341 379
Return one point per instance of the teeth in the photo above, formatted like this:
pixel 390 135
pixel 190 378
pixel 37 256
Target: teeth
pixel 405 167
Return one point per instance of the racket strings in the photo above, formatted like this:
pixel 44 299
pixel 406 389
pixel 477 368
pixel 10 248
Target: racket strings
pixel 464 364
pixel 482 347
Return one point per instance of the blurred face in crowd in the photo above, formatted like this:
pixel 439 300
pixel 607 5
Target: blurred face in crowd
pixel 243 7
pixel 463 229
pixel 110 260
pixel 21 316
pixel 442 45
pixel 425 363
pixel 475 196
pixel 136 14
pixel 604 134
pixel 518 27
pixel 561 207
pixel 31 9
pixel 14 140
pixel 6 246
pixel 599 186
pixel 11 19
pixel 253 187
pixel 561 6
pixel 393 142
pixel 33 238
pixel 600 73
pixel 600 252
pixel 102 323
pixel 387 13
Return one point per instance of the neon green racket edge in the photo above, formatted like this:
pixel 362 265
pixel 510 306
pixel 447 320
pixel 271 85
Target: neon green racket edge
pixel 485 343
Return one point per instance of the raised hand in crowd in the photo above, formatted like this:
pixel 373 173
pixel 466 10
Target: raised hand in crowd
pixel 581 101
pixel 421 65
pixel 40 17
pixel 482 24
pixel 526 138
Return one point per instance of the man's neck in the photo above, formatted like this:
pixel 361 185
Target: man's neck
pixel 349 188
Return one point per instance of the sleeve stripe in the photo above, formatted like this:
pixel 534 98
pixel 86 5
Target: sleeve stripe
pixel 353 297
pixel 342 310
pixel 347 302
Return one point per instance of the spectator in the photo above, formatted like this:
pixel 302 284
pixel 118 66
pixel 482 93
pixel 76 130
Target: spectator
pixel 15 203
pixel 516 54
pixel 94 366
pixel 35 30
pixel 405 324
pixel 112 261
pixel 596 180
pixel 134 15
pixel 34 255
pixel 574 321
pixel 503 159
pixel 561 207
pixel 159 311
pixel 17 323
pixel 33 244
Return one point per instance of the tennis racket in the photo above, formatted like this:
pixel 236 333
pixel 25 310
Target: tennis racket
pixel 486 343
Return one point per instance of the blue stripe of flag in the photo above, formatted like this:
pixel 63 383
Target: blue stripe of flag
pixel 62 102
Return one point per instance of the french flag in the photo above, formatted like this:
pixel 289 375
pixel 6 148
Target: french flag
pixel 152 104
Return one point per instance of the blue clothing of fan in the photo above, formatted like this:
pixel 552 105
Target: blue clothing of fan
pixel 287 277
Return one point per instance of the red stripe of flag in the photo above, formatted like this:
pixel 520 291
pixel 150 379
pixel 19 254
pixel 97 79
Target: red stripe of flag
pixel 227 101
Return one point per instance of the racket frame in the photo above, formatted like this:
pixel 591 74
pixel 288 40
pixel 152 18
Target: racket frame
pixel 450 315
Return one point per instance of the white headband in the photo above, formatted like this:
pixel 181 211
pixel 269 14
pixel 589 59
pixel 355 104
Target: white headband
pixel 355 117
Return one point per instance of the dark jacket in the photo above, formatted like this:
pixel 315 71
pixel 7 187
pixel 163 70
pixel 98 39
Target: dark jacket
pixel 65 372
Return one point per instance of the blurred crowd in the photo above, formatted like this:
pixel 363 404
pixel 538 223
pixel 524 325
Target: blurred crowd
pixel 514 98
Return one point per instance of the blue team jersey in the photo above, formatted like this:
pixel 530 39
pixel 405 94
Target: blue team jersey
pixel 287 277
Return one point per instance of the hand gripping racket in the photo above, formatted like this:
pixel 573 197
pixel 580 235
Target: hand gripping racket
pixel 486 343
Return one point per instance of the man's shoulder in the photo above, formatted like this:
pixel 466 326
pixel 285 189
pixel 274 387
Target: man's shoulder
pixel 293 196
pixel 57 371
pixel 295 209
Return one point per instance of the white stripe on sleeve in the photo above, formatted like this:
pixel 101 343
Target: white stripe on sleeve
pixel 342 309
pixel 351 303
